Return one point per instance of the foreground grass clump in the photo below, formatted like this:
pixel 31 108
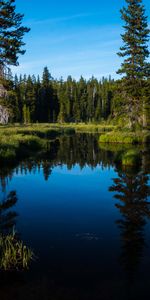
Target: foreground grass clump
pixel 125 137
pixel 14 255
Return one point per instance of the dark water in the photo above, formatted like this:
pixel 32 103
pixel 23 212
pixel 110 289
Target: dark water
pixel 86 218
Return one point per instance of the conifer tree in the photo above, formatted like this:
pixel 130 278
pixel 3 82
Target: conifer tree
pixel 11 34
pixel 135 52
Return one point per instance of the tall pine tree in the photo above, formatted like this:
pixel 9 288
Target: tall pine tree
pixel 11 34
pixel 135 67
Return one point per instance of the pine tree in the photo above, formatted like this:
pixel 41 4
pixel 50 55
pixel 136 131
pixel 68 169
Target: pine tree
pixel 30 98
pixel 135 51
pixel 46 97
pixel 11 34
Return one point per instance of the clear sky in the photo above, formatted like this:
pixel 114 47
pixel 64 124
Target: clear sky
pixel 74 38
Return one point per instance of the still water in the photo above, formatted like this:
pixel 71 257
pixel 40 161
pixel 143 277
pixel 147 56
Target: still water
pixel 86 218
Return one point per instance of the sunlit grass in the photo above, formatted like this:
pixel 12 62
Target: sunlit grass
pixel 14 255
pixel 125 137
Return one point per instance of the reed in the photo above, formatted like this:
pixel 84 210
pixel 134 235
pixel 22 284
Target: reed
pixel 14 255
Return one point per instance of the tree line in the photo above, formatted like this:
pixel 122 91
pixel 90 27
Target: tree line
pixel 32 99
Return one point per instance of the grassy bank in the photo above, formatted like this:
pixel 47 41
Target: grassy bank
pixel 21 141
pixel 18 141
pixel 61 127
pixel 125 137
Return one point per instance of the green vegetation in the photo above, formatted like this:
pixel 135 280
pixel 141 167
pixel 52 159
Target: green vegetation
pixel 135 101
pixel 14 255
pixel 120 108
pixel 11 34
pixel 125 137
pixel 47 100
pixel 21 141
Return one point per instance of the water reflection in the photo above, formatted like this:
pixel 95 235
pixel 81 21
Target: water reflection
pixel 75 221
pixel 81 149
pixel 132 190
pixel 7 215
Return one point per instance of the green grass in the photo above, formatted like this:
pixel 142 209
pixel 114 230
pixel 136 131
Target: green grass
pixel 93 128
pixel 125 137
pixel 18 141
pixel 21 140
pixel 14 255
pixel 13 145
pixel 59 128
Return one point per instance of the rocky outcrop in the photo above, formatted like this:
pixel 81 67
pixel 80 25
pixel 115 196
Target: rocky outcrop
pixel 4 115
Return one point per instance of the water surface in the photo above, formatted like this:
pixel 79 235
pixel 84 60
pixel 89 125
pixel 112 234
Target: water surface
pixel 86 218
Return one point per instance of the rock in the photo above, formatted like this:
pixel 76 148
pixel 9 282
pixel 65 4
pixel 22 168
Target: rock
pixel 4 115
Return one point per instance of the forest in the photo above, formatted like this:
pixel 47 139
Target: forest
pixel 56 125
pixel 43 99
pixel 33 100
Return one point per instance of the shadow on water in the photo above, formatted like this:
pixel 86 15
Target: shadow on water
pixel 131 191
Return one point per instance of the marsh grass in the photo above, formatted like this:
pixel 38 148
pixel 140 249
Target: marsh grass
pixel 14 145
pixel 22 140
pixel 93 128
pixel 125 137
pixel 14 255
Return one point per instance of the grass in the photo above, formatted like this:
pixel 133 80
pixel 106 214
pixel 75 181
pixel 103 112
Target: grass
pixel 19 141
pixel 14 255
pixel 125 137
pixel 22 140
pixel 14 145
pixel 59 128
pixel 93 128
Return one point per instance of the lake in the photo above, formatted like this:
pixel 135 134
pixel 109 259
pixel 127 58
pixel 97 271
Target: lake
pixel 86 218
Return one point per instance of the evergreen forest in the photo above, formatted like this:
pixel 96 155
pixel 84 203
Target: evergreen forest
pixel 44 99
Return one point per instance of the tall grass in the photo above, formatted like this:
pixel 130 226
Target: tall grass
pixel 14 255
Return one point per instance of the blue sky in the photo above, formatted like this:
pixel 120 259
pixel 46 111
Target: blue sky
pixel 72 37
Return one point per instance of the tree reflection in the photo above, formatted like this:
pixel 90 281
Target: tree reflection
pixel 7 216
pixel 132 192
pixel 81 149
